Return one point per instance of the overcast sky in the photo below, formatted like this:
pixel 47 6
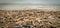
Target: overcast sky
pixel 31 1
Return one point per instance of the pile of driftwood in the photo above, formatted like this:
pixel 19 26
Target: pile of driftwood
pixel 29 19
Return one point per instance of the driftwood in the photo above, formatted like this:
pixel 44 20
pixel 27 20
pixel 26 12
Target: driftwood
pixel 29 19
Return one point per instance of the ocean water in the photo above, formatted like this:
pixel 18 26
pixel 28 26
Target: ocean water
pixel 29 7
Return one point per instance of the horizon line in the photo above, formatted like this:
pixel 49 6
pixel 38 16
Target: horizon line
pixel 25 4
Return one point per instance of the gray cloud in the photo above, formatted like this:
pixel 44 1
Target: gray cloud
pixel 32 1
